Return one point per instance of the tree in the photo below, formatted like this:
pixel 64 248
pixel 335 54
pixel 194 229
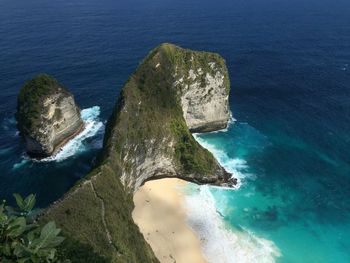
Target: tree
pixel 22 239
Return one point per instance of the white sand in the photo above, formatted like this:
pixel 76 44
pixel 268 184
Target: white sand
pixel 161 216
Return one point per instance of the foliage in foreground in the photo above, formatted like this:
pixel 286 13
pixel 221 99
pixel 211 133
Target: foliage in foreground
pixel 22 239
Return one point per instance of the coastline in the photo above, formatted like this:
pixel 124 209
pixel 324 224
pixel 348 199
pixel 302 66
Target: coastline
pixel 90 127
pixel 182 223
pixel 160 213
pixel 60 145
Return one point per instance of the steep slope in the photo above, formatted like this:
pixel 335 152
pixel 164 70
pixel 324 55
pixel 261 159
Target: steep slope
pixel 146 138
pixel 147 135
pixel 47 115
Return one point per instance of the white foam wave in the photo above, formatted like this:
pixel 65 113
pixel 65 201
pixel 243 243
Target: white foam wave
pixel 220 243
pixel 93 125
pixel 19 165
pixel 236 166
pixel 231 122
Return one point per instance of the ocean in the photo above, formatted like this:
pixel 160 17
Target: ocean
pixel 289 142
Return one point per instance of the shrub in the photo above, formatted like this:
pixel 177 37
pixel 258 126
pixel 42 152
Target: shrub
pixel 22 239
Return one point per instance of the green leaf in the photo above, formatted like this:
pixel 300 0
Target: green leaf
pixel 15 221
pixel 24 251
pixel 19 250
pixel 3 249
pixel 22 240
pixel 29 202
pixel 10 210
pixel 19 201
pixel 49 230
pixel 49 253
pixel 1 209
pixel 48 237
pixel 17 227
pixel 6 249
pixel 3 219
pixel 32 234
pixel 5 260
pixel 54 242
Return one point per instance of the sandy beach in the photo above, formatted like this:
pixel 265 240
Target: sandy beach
pixel 161 216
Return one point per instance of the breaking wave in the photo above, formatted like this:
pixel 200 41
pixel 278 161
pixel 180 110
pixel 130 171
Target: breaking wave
pixel 236 166
pixel 93 127
pixel 221 243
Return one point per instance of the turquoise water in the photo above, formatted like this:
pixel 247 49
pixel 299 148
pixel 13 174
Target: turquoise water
pixel 301 208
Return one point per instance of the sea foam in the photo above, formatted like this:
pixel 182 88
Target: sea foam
pixel 231 121
pixel 236 166
pixel 223 243
pixel 93 127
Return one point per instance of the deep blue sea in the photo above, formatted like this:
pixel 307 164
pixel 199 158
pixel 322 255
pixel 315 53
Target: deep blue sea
pixel 289 63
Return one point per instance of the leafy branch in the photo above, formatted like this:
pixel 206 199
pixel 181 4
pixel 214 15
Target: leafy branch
pixel 22 239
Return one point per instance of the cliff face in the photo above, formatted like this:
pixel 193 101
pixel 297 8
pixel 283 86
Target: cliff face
pixel 173 91
pixel 47 116
pixel 148 137
pixel 203 85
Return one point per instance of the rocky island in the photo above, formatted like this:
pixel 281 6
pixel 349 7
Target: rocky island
pixel 47 116
pixel 173 91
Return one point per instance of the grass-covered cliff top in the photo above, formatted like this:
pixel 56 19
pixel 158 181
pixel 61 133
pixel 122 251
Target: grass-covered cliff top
pixel 31 97
pixel 187 59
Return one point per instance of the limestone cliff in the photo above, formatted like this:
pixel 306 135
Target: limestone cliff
pixel 47 116
pixel 148 137
pixel 173 91
pixel 203 85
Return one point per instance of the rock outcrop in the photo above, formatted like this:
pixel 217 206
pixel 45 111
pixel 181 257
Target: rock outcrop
pixel 47 116
pixel 203 84
pixel 148 137
pixel 174 91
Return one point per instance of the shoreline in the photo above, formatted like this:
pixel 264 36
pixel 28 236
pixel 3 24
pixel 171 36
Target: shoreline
pixel 89 128
pixel 59 146
pixel 185 226
pixel 160 213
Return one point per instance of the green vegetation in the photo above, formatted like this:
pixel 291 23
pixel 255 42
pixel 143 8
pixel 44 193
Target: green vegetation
pixel 96 213
pixel 187 59
pixel 192 156
pixel 153 109
pixel 22 240
pixel 30 99
pixel 104 199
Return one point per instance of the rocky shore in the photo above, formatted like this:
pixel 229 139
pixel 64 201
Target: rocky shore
pixel 172 92
pixel 47 116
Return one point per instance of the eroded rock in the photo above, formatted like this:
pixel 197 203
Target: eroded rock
pixel 47 116
pixel 172 93
pixel 204 88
